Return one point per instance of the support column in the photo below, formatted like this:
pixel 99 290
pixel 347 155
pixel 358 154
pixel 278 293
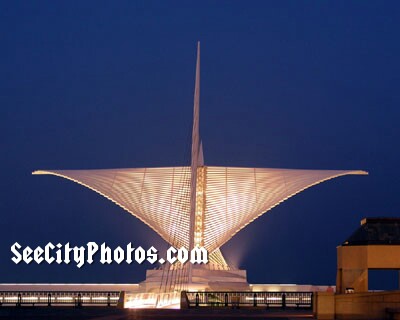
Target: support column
pixel 200 207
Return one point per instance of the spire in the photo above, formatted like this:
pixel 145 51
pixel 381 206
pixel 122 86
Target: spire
pixel 195 156
pixel 195 146
pixel 196 114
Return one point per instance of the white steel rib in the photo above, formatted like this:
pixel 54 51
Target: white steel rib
pixel 234 197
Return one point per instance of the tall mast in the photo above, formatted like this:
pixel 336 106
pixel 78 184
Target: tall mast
pixel 195 156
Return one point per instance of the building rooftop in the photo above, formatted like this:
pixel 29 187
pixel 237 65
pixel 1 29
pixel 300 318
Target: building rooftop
pixel 378 231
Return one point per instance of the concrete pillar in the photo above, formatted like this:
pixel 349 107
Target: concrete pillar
pixel 325 305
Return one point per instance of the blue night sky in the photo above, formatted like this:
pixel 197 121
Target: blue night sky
pixel 286 84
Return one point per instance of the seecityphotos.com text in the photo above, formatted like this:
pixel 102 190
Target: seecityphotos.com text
pixel 80 255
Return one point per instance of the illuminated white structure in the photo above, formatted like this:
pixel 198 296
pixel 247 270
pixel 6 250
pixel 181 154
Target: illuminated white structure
pixel 198 205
